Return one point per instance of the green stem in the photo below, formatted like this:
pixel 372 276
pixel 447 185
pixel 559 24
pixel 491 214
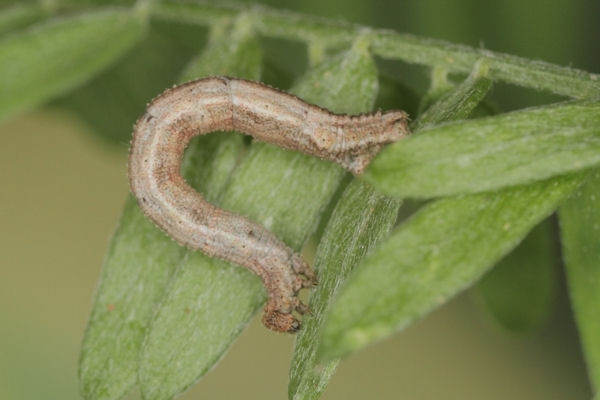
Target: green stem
pixel 389 44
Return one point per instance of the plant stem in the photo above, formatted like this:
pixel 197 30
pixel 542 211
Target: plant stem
pixel 393 45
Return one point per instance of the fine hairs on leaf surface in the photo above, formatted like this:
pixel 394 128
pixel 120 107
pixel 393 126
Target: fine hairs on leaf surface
pixel 489 153
pixel 138 265
pixel 361 218
pixel 442 249
pixel 163 316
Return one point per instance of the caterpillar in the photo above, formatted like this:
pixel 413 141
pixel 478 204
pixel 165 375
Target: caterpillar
pixel 162 133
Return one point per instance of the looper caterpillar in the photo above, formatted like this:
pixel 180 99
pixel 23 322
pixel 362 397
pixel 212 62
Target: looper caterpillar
pixel 199 107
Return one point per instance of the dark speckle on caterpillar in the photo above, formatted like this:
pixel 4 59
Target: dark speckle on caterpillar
pixel 199 107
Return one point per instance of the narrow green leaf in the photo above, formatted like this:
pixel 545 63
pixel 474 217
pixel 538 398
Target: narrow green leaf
pixel 490 153
pixel 439 251
pixel 520 291
pixel 360 219
pixel 580 231
pixel 458 103
pixel 57 56
pixel 211 301
pixel 139 263
pixel 19 16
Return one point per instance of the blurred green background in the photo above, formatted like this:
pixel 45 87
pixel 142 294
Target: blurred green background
pixel 64 186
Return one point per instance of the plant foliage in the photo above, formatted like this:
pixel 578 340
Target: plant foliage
pixel 489 182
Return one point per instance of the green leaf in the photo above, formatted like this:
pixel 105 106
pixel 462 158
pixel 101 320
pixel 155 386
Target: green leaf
pixel 458 103
pixel 123 91
pixel 580 233
pixel 19 16
pixel 139 263
pixel 211 301
pixel 52 58
pixel 360 219
pixel 490 153
pixel 519 293
pixel 439 251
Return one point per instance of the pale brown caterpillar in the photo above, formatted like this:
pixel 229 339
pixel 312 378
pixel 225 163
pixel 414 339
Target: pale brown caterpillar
pixel 213 104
